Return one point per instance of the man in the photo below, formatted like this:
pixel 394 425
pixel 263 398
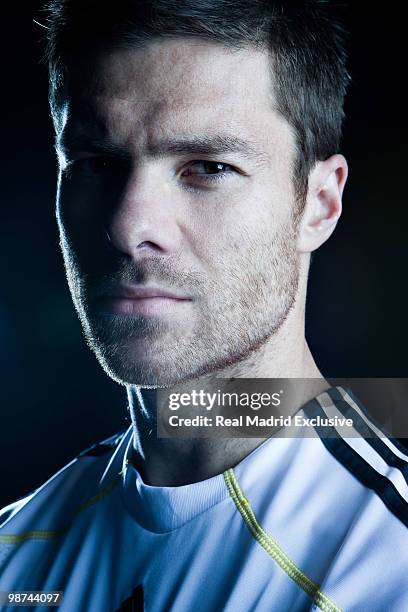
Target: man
pixel 199 169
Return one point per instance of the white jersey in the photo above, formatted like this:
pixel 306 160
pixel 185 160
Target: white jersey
pixel 300 524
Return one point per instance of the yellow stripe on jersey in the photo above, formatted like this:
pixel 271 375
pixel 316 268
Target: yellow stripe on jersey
pixel 273 549
pixel 41 534
pixel 36 534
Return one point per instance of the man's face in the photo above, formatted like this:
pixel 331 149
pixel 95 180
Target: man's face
pixel 176 208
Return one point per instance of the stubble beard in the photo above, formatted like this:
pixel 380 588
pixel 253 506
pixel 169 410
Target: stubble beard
pixel 234 315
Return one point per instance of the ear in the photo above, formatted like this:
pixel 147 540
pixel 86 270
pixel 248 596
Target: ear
pixel 323 203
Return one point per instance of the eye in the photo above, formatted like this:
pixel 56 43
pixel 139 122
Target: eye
pixel 97 165
pixel 207 170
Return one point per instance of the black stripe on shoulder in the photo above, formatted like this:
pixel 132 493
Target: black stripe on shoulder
pixel 101 448
pixel 366 432
pixel 357 466
pixel 334 392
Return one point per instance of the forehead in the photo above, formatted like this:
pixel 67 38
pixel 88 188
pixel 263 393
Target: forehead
pixel 177 86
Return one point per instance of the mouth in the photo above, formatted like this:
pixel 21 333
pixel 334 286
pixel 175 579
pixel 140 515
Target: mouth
pixel 137 300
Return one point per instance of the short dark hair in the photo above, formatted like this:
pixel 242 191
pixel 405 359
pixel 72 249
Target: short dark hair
pixel 306 40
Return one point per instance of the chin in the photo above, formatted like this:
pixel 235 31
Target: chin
pixel 143 371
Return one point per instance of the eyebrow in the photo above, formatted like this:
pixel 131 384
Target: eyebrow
pixel 214 144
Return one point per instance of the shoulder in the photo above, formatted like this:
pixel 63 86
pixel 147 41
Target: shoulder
pixel 368 485
pixel 377 460
pixel 58 498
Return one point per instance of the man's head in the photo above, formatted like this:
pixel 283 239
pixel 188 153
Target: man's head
pixel 197 148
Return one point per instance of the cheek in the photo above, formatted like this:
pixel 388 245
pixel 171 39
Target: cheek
pixel 85 205
pixel 81 202
pixel 228 225
pixel 81 223
pixel 236 235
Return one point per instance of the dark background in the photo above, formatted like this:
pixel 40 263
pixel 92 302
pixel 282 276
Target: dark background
pixel 55 400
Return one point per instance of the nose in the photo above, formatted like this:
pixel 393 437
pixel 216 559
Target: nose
pixel 146 218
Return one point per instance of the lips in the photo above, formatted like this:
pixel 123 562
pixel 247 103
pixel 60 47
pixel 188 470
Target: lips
pixel 134 300
pixel 141 293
